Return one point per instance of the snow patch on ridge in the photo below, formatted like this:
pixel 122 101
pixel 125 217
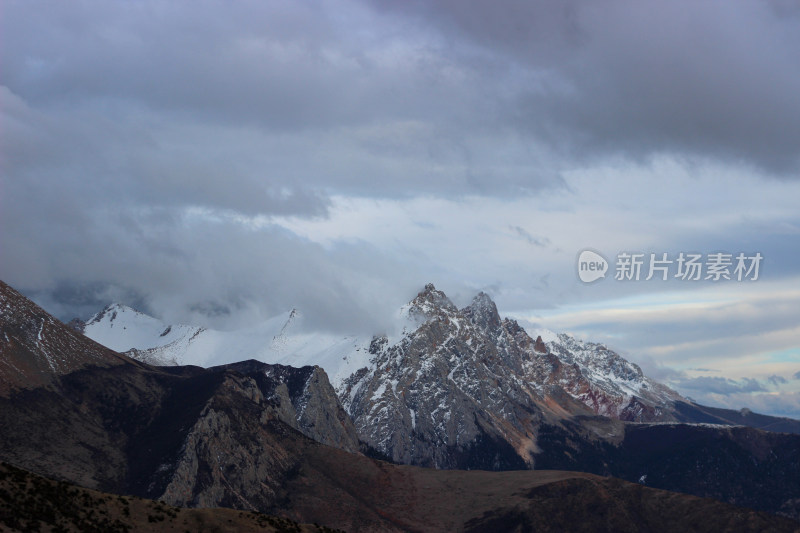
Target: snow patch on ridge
pixel 279 340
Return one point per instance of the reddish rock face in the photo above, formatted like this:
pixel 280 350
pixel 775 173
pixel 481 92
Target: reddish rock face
pixel 539 345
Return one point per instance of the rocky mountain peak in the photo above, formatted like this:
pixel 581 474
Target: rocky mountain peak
pixel 109 313
pixel 482 312
pixel 306 399
pixel 77 325
pixel 539 345
pixel 431 303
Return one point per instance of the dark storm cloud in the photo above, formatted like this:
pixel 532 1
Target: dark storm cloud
pixel 257 107
pixel 707 79
pixel 87 158
pixel 209 57
pixel 283 67
pixel 147 146
pixel 141 138
pixel 267 107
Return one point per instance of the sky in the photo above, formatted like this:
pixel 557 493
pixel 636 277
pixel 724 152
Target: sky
pixel 218 163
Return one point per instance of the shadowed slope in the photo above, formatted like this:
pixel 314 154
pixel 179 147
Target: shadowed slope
pixel 36 349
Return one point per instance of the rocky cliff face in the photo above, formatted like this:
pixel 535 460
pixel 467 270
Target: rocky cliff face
pixel 186 434
pixel 440 398
pixel 306 401
pixel 227 458
pixel 609 384
pixel 465 388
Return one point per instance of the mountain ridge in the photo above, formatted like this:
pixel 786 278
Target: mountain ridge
pixel 428 303
pixel 36 351
pixel 589 372
pixel 233 436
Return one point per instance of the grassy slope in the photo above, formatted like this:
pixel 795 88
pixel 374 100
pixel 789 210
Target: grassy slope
pixel 29 502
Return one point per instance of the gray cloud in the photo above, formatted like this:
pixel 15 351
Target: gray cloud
pixel 285 102
pixel 149 148
pixel 782 404
pixel 142 142
pixel 655 369
pixel 699 79
pixel 217 59
pixel 269 97
pixel 796 375
pixel 196 268
pixel 777 380
pixel 726 392
pixel 91 160
pixel 718 385
pixel 541 242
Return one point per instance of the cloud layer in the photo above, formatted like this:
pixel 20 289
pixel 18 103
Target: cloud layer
pixel 216 162
pixel 709 79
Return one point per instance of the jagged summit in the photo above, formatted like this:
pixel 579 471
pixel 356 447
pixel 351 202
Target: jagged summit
pixel 459 377
pixel 437 335
pixel 430 303
pixel 482 312
pixel 539 346
pixel 451 386
pixel 111 312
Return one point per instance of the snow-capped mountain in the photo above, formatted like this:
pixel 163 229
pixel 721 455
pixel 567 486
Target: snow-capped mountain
pixel 604 381
pixel 279 340
pixel 465 381
pixel 454 384
pixel 596 376
pixel 460 388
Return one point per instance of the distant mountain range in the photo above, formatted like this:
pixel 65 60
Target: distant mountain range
pixel 457 389
pixel 435 346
